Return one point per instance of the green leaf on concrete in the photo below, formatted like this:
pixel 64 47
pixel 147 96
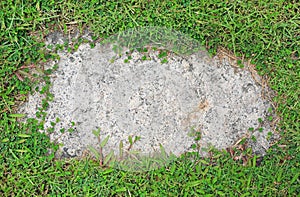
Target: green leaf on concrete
pixel 104 142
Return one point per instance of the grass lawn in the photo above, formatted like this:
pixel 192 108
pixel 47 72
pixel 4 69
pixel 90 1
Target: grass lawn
pixel 265 32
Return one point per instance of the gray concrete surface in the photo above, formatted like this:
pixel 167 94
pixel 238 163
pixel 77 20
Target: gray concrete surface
pixel 161 103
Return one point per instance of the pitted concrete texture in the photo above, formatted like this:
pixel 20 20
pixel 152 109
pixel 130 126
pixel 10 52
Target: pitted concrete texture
pixel 161 103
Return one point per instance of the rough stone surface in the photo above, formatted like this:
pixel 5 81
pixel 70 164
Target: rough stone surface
pixel 161 103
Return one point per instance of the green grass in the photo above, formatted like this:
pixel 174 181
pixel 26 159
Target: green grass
pixel 267 32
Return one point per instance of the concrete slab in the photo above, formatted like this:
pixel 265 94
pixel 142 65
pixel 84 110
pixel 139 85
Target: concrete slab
pixel 162 103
